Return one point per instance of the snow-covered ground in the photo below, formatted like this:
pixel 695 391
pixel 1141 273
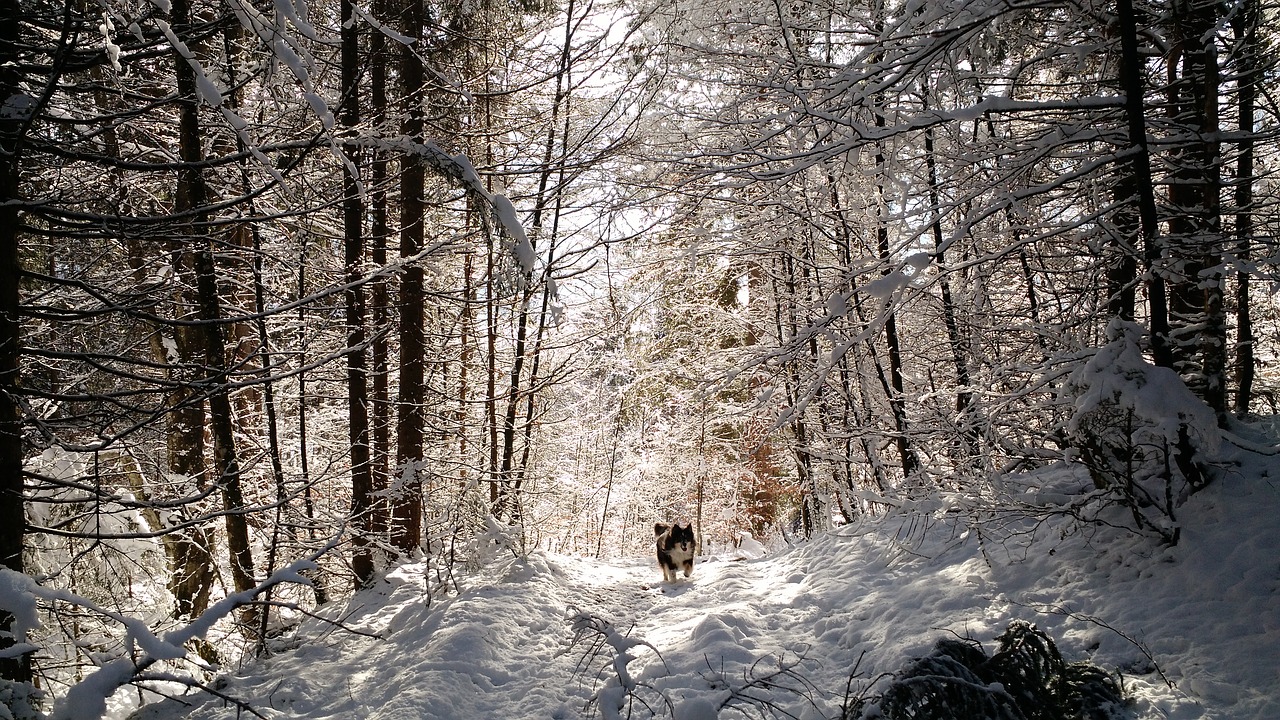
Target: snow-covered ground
pixel 1193 629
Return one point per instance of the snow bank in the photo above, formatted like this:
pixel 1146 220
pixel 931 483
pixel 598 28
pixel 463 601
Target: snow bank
pixel 1192 628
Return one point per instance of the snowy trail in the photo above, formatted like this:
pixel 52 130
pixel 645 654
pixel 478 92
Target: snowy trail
pixel 702 635
pixel 503 646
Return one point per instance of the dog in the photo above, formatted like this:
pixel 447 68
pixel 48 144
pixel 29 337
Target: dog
pixel 675 549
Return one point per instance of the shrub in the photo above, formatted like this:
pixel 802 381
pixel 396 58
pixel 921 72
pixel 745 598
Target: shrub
pixel 1026 679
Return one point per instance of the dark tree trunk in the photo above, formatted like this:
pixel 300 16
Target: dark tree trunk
pixel 491 370
pixel 787 323
pixel 1132 85
pixel 222 429
pixel 966 415
pixel 466 342
pixel 13 521
pixel 357 377
pixel 190 199
pixel 897 402
pixel 406 532
pixel 1245 25
pixel 507 503
pixel 304 468
pixel 191 549
pixel 1196 312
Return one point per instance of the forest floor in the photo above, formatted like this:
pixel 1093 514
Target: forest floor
pixel 1193 630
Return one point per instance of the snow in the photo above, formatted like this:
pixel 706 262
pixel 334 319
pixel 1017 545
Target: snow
pixel 113 50
pixel 1194 629
pixel 17 597
pixel 1118 372
pixel 206 89
pixel 88 698
pixel 505 213
pixel 884 287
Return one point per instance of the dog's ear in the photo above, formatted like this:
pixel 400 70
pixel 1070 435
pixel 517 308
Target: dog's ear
pixel 659 528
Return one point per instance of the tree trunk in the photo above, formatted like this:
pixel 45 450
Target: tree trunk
pixel 406 532
pixel 13 521
pixel 222 429
pixel 190 200
pixel 1245 25
pixel 190 550
pixel 966 415
pixel 353 252
pixel 897 403
pixel 1195 235
pixel 304 468
pixel 1132 84
pixel 788 327
pixel 466 342
pixel 491 368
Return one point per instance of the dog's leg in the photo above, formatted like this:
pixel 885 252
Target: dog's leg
pixel 688 568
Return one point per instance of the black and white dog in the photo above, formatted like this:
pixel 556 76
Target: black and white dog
pixel 675 549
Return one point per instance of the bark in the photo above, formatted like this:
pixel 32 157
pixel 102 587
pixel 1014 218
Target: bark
pixel 190 200
pixel 466 334
pixel 1245 25
pixel 788 327
pixel 897 403
pixel 238 257
pixel 1132 84
pixel 855 413
pixel 357 377
pixel 406 531
pixel 1196 311
pixel 491 367
pixel 559 108
pixel 190 550
pixel 507 502
pixel 965 411
pixel 12 512
pixel 222 430
pixel 304 467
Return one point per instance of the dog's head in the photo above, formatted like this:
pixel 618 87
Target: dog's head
pixel 677 535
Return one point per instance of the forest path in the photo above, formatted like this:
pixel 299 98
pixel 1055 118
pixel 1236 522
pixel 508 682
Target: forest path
pixel 696 639
pixel 505 645
pixel 791 634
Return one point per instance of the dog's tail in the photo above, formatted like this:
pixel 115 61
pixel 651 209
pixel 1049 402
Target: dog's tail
pixel 659 528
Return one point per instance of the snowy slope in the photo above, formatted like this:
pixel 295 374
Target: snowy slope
pixel 1194 629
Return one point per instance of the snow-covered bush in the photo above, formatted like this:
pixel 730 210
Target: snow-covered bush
pixel 19 701
pixel 1143 435
pixel 1026 679
pixel 607 654
pixel 104 554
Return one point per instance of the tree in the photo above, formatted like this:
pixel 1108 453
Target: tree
pixel 12 517
pixel 406 528
pixel 353 255
pixel 992 141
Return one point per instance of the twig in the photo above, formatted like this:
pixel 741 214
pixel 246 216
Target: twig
pixel 1068 612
